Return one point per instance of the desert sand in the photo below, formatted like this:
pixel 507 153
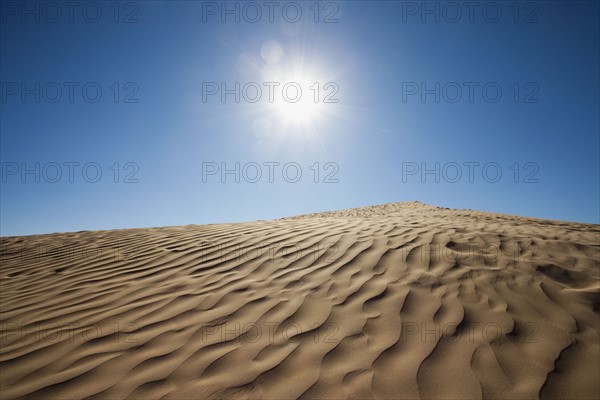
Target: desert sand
pixel 398 301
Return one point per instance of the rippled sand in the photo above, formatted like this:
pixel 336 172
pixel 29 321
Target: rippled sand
pixel 398 301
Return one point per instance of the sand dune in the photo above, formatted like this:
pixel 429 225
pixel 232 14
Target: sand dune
pixel 398 301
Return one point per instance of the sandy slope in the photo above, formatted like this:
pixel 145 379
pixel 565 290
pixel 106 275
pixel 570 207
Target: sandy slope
pixel 399 301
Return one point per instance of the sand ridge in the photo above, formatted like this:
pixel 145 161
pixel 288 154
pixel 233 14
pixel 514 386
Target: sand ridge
pixel 398 301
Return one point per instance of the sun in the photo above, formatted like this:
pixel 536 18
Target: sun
pixel 298 102
pixel 302 111
pixel 297 93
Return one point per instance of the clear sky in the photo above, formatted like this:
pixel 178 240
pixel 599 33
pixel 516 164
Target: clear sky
pixel 483 105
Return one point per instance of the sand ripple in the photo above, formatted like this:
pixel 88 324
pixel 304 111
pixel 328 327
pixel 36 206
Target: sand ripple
pixel 400 301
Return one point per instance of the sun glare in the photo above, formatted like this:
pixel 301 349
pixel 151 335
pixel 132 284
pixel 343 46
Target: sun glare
pixel 297 103
pixel 297 91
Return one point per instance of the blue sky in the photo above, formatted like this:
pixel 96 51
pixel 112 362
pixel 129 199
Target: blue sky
pixel 502 109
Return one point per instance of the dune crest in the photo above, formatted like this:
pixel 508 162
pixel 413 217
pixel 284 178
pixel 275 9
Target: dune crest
pixel 397 301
